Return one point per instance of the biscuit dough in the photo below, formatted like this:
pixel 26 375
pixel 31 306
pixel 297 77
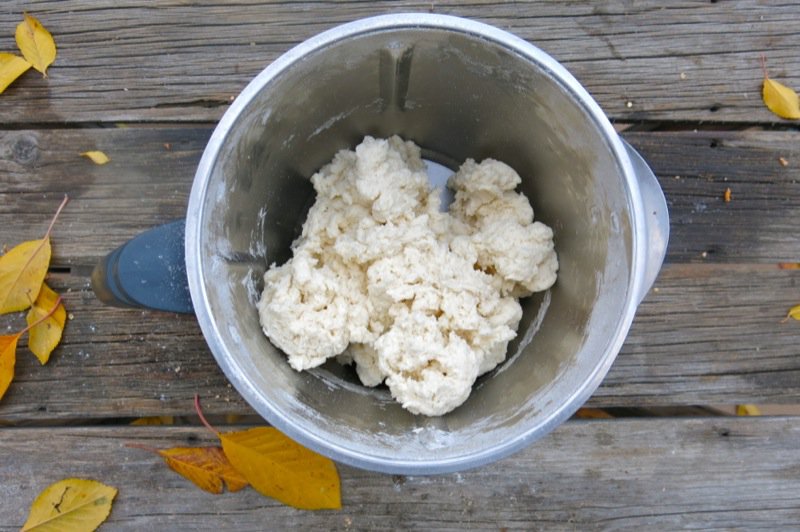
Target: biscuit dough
pixel 423 300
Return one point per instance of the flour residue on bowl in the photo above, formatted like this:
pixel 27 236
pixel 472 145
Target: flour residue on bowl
pixel 249 283
pixel 258 246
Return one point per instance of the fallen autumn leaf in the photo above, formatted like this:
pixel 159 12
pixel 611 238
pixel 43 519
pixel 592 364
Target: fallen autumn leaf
pixel 8 349
pixel 46 320
pixel 206 467
pixel 22 270
pixel 794 313
pixel 780 99
pixel 278 467
pixel 11 67
pixel 747 410
pixel 71 505
pixel 97 157
pixel 8 359
pixel 36 43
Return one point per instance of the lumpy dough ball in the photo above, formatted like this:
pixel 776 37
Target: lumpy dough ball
pixel 420 300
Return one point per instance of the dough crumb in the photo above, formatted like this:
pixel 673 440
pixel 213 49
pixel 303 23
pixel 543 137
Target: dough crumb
pixel 423 300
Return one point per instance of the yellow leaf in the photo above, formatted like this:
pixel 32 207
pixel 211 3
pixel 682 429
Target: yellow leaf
pixel 206 467
pixel 794 312
pixel 280 468
pixel 97 157
pixel 71 505
pixel 23 268
pixel 8 349
pixel 36 44
pixel 747 410
pixel 155 420
pixel 8 358
pixel 780 99
pixel 46 321
pixel 11 67
pixel 22 272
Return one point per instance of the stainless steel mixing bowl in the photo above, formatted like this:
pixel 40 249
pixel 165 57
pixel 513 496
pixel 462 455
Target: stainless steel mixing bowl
pixel 459 89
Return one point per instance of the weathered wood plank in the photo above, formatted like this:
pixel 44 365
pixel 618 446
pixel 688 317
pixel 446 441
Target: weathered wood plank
pixel 730 346
pixel 761 169
pixel 146 184
pixel 710 334
pixel 587 475
pixel 134 61
pixel 706 333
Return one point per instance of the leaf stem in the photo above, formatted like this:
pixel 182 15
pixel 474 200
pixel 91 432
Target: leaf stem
pixel 40 320
pixel 53 221
pixel 203 419
pixel 142 447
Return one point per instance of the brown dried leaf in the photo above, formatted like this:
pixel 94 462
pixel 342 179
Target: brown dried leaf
pixel 206 467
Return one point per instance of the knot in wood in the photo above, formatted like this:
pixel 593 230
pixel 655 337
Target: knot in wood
pixel 25 150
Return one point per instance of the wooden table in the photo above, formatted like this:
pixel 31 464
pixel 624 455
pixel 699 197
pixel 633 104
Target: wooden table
pixel 145 83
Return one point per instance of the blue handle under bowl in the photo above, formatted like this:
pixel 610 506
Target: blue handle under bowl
pixel 148 271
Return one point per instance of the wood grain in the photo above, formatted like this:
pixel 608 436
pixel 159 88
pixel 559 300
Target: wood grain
pixel 762 170
pixel 145 184
pixel 710 334
pixel 149 177
pixel 145 82
pixel 587 475
pixel 178 61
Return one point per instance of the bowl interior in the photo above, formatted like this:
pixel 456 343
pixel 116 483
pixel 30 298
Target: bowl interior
pixel 457 95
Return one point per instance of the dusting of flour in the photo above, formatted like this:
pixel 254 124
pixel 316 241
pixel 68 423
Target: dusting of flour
pixel 423 300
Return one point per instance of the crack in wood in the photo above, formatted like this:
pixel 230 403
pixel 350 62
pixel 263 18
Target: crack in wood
pixel 206 103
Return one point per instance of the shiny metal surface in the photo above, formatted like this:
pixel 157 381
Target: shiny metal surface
pixel 656 218
pixel 459 89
